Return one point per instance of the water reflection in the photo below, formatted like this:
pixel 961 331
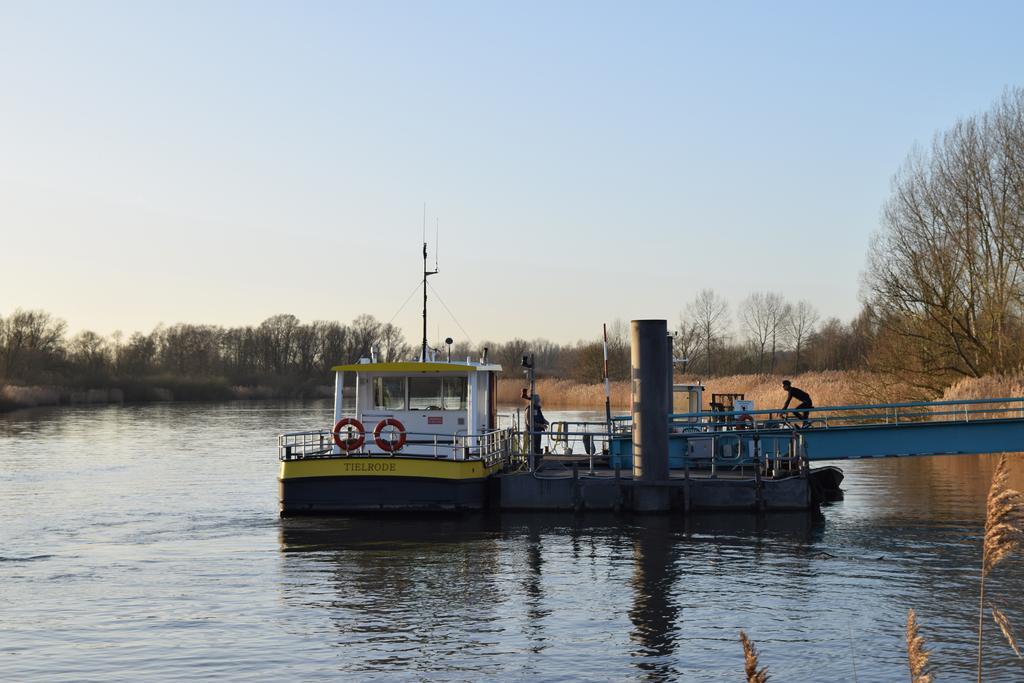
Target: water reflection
pixel 406 591
pixel 435 594
pixel 655 612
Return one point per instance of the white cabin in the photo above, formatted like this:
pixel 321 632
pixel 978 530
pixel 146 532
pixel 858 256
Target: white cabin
pixel 443 409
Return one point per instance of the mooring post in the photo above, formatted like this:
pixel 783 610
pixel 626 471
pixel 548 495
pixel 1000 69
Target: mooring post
pixel 650 392
pixel 686 477
pixel 670 394
pixel 758 480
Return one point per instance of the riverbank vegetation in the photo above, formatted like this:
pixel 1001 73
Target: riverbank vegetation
pixel 40 364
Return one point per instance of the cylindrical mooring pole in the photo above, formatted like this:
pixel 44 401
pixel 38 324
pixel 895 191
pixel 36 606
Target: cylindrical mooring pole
pixel 650 389
pixel 669 341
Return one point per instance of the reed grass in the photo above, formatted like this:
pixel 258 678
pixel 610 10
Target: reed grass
pixel 1004 518
pixel 1005 627
pixel 989 386
pixel 833 387
pixel 259 391
pixel 750 661
pixel 29 397
pixel 565 393
pixel 830 388
pixel 826 388
pixel 917 655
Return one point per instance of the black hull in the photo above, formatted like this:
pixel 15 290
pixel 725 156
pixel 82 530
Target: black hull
pixel 330 495
pixel 825 483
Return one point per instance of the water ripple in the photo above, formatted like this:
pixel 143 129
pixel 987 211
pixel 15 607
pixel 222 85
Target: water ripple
pixel 161 556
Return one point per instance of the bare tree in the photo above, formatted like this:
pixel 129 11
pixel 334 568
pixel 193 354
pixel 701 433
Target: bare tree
pixel 946 272
pixel 618 333
pixel 710 315
pixel 755 320
pixel 137 356
pixel 686 342
pixel 393 346
pixel 510 355
pixel 764 316
pixel 332 343
pixel 28 340
pixel 305 344
pixel 364 332
pixel 91 352
pixel 801 323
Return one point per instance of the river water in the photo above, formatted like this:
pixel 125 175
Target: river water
pixel 143 543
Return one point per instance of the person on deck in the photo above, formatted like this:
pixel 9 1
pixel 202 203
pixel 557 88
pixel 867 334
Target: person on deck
pixel 539 423
pixel 802 398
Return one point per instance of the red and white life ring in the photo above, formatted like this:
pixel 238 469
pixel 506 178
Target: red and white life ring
pixel 389 445
pixel 353 441
pixel 744 421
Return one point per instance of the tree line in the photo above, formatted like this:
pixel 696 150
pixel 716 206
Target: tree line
pixel 282 351
pixel 36 349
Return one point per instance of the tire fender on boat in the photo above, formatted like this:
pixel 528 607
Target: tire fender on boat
pixel 386 445
pixel 352 442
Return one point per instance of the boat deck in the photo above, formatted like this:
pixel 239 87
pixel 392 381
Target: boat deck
pixel 565 485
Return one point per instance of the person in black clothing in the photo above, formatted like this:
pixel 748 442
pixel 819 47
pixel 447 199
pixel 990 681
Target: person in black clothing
pixel 539 423
pixel 802 398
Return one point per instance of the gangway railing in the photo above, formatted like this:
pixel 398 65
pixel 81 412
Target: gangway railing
pixel 960 427
pixel 826 417
pixel 967 426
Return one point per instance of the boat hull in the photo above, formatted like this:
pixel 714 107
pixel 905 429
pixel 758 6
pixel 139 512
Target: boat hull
pixel 340 485
pixel 825 482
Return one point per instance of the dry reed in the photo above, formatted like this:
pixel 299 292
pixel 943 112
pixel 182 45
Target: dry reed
pixel 826 388
pixel 1004 514
pixel 917 655
pixel 750 662
pixel 831 388
pixel 1002 520
pixel 564 393
pixel 1005 627
pixel 29 397
pixel 252 393
pixel 989 386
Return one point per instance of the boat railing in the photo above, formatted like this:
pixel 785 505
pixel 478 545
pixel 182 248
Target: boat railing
pixel 580 439
pixel 772 455
pixel 489 446
pixel 737 452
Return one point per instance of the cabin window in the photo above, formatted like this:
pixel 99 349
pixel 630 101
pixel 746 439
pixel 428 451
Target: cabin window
pixel 389 393
pixel 348 399
pixel 425 393
pixel 455 393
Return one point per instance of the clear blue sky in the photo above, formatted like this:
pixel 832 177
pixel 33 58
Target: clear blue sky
pixel 222 162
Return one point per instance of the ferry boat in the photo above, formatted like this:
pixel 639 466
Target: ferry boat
pixel 420 435
pixel 423 435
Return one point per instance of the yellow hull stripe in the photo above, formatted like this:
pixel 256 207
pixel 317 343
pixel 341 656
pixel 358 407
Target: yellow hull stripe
pixel 386 467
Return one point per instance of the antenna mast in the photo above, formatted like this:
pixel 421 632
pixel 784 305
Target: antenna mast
pixel 426 274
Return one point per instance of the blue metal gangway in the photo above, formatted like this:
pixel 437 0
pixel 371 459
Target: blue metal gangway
pixel 973 426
